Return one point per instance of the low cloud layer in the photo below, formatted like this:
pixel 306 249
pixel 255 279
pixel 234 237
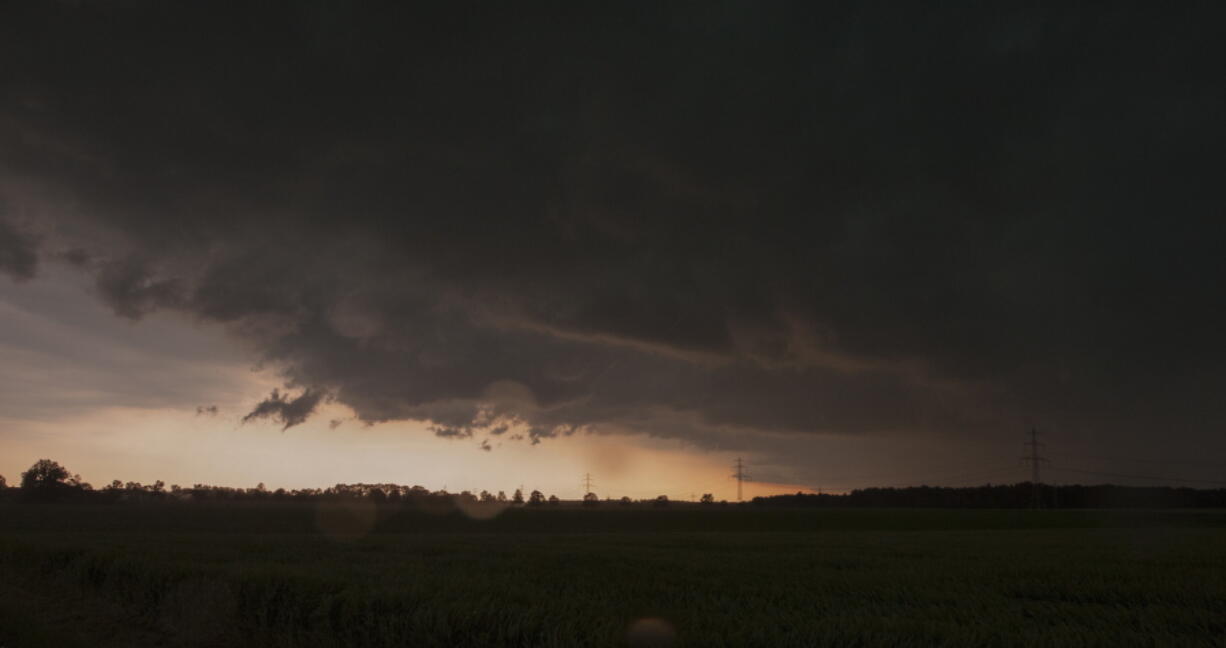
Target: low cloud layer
pixel 705 222
pixel 18 255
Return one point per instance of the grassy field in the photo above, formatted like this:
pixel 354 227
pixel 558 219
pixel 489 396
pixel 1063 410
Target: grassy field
pixel 257 574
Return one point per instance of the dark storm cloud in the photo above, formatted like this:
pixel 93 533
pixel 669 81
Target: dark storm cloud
pixel 283 409
pixel 452 433
pixel 131 291
pixel 672 218
pixel 18 251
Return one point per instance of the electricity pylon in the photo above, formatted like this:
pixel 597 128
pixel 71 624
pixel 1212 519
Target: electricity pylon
pixel 740 477
pixel 1035 460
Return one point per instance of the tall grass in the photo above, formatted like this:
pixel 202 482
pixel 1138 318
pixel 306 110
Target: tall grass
pixel 904 580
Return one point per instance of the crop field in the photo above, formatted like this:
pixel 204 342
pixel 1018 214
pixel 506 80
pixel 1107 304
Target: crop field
pixel 301 574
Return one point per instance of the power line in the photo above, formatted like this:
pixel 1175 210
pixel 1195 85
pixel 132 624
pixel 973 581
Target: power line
pixel 1151 477
pixel 1034 456
pixel 935 481
pixel 1011 467
pixel 974 474
pixel 1200 464
pixel 945 475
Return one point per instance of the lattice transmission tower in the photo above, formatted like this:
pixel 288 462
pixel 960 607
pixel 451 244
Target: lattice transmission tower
pixel 740 477
pixel 1035 459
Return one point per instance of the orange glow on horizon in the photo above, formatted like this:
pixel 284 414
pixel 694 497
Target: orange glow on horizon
pixel 178 446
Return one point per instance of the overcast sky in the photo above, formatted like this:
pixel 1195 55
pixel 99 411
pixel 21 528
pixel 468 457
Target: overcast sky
pixel 855 243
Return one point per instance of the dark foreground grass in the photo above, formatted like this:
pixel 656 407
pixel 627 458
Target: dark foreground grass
pixel 265 575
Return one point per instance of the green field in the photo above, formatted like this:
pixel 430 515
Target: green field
pixel 288 574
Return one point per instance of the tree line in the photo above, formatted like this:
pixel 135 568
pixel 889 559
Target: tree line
pixel 1019 495
pixel 47 480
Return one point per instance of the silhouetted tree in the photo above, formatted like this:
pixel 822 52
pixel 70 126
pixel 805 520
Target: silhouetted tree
pixel 518 497
pixel 660 501
pixel 625 500
pixel 554 501
pixel 502 497
pixel 707 498
pixel 44 472
pixel 45 479
pixel 591 499
pixel 536 498
pixel 3 482
pixel 79 484
pixel 487 497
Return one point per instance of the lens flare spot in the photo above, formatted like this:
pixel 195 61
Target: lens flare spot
pixel 651 633
pixel 481 510
pixel 345 520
